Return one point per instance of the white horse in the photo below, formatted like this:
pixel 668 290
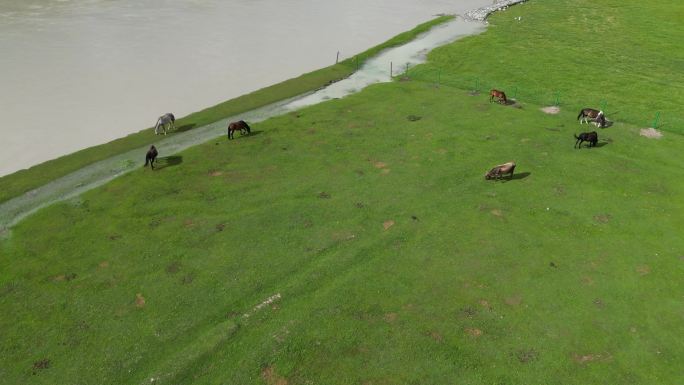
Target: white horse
pixel 165 120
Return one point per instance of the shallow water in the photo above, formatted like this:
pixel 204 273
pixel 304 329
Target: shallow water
pixel 375 70
pixel 75 73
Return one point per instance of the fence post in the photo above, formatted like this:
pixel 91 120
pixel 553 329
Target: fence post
pixel 656 120
pixel 337 59
pixel 390 70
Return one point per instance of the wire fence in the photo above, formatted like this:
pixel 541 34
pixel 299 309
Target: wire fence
pixel 666 118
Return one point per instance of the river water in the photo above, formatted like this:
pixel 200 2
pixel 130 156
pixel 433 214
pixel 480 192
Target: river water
pixel 75 73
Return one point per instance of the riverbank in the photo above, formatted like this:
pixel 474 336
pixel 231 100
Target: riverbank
pixel 23 181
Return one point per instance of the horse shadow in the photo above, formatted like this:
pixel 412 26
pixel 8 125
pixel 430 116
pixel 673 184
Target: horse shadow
pixel 253 133
pixel 601 144
pixel 168 161
pixel 510 102
pixel 607 124
pixel 186 127
pixel 521 175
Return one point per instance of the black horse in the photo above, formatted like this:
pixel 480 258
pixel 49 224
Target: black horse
pixel 151 156
pixel 591 137
pixel 239 125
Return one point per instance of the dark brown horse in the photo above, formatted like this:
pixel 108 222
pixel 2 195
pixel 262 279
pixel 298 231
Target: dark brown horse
pixel 590 114
pixel 240 125
pixel 151 156
pixel 499 95
pixel 591 137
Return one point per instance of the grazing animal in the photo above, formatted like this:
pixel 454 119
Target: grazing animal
pixel 499 95
pixel 151 156
pixel 590 114
pixel 591 137
pixel 166 120
pixel 239 125
pixel 499 171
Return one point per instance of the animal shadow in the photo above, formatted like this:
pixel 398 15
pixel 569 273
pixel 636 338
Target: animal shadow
pixel 169 161
pixel 601 144
pixel 186 127
pixel 510 102
pixel 253 133
pixel 521 175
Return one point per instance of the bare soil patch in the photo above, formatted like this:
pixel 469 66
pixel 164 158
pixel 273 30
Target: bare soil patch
pixel 485 304
pixel 390 317
pixel 41 365
pixel 594 357
pixel 475 332
pixel 324 195
pixel 651 133
pixel 643 269
pixel 103 265
pixel 215 173
pixel 587 281
pixel 497 213
pixel 526 355
pixel 552 110
pixel 387 224
pixel 436 336
pixel 515 300
pixel 602 218
pixel 173 267
pixel 271 377
pixel 379 164
pixel 139 300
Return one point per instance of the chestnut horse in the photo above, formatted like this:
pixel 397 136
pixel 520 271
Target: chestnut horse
pixel 239 125
pixel 499 95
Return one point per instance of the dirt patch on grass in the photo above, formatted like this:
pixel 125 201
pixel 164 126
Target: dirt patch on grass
pixel 41 365
pixel 436 336
pixel 390 317
pixel 187 279
pixel 587 281
pixel 324 195
pixel 215 173
pixel 271 377
pixel 515 300
pixel 485 304
pixel 475 332
pixel 189 223
pixel 103 265
pixel 385 171
pixel 387 224
pixel 651 133
pixel 114 237
pixel 594 357
pixel 497 213
pixel 380 165
pixel 65 277
pixel 526 355
pixel 220 227
pixel 643 269
pixel 139 301
pixel 551 110
pixel 173 267
pixel 602 218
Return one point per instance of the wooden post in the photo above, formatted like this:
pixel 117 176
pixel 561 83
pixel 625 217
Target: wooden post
pixel 337 59
pixel 406 73
pixel 390 70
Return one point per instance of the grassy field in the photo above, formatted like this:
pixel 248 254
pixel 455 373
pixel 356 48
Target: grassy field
pixel 357 242
pixel 25 180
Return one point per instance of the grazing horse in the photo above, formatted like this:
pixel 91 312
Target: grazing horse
pixel 499 171
pixel 590 114
pixel 239 125
pixel 499 95
pixel 151 156
pixel 591 137
pixel 165 120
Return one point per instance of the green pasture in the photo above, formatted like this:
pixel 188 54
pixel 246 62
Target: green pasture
pixel 623 56
pixel 357 242
pixel 25 180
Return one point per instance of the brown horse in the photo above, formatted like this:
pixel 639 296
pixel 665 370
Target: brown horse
pixel 151 156
pixel 499 95
pixel 590 114
pixel 239 125
pixel 499 171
